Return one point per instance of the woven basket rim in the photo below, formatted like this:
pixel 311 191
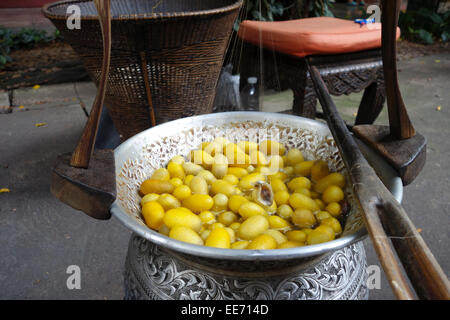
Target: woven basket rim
pixel 46 9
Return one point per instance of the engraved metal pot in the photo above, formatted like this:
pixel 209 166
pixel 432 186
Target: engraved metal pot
pixel 158 267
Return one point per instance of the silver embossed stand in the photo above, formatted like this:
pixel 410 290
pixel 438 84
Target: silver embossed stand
pixel 152 272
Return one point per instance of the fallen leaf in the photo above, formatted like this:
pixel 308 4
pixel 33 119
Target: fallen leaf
pixel 21 107
pixel 438 108
pixel 40 124
pixel 3 190
pixel 354 114
pixel 437 60
pixel 419 230
pixel 36 86
pixel 5 109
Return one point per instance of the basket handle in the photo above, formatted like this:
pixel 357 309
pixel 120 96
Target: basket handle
pixel 83 152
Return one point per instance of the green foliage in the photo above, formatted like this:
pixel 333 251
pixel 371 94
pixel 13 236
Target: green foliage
pixel 320 8
pixel 425 25
pixel 276 10
pixel 264 10
pixel 25 38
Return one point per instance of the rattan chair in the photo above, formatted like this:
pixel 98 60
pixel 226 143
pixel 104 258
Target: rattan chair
pixel 347 55
pixel 166 55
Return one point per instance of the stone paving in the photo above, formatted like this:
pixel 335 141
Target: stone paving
pixel 41 237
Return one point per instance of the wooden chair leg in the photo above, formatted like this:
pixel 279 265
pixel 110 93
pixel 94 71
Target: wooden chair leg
pixel 305 99
pixel 371 103
pixel 295 76
pixel 249 64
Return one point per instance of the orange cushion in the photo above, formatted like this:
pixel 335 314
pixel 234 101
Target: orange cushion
pixel 312 36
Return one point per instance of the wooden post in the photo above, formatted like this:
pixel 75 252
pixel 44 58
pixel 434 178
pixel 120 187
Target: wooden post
pixel 85 147
pixel 86 179
pixel 399 122
pixel 399 144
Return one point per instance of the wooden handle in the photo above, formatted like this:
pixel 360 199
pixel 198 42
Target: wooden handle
pixel 385 219
pixel 399 122
pixel 426 276
pixel 85 147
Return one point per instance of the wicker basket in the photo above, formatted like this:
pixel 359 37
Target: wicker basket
pixel 166 55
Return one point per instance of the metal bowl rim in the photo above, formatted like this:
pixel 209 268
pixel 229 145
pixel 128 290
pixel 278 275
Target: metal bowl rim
pixel 238 254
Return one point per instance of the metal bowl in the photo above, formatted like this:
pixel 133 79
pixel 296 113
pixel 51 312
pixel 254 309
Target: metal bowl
pixel 137 157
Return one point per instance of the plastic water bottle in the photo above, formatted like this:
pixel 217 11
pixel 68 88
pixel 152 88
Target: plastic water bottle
pixel 250 95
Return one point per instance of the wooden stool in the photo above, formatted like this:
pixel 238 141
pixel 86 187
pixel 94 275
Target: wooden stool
pixel 347 54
